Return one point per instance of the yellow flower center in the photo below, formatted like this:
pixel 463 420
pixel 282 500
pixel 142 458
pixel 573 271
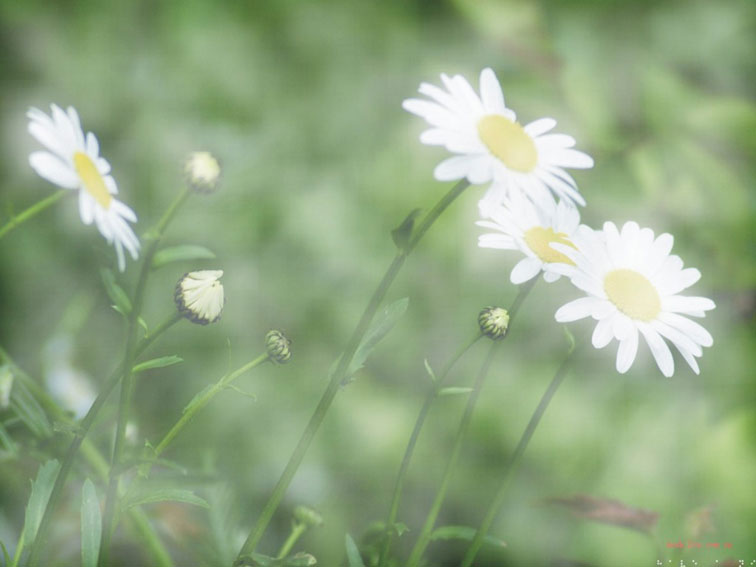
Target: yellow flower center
pixel 91 179
pixel 633 294
pixel 538 240
pixel 508 141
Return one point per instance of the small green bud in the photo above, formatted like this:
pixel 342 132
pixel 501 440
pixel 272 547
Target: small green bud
pixel 301 559
pixel 278 346
pixel 308 517
pixel 202 171
pixel 494 322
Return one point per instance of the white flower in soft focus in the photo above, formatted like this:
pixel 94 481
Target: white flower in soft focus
pixel 202 171
pixel 520 225
pixel 632 284
pixel 71 387
pixel 199 296
pixel 73 162
pixel 492 145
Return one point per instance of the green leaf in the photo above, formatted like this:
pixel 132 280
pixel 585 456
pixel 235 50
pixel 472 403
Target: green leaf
pixel 453 391
pixel 353 554
pixel 198 399
pixel 300 559
pixel 429 370
pixel 180 254
pixel 161 362
pixel 162 495
pixel 400 528
pixel 115 292
pixel 402 233
pixel 91 525
pixel 7 441
pixel 29 411
pixel 465 533
pixel 382 324
pixel 6 555
pixel 40 494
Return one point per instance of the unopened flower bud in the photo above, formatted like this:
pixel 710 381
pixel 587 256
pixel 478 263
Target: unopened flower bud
pixel 278 346
pixel 493 322
pixel 199 296
pixel 202 171
pixel 308 517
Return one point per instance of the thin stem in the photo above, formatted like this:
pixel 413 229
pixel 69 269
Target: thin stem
pixel 514 461
pixel 127 384
pixel 296 532
pixel 425 535
pixel 204 399
pixel 32 211
pixel 399 484
pixel 295 460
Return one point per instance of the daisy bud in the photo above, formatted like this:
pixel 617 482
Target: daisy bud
pixel 308 517
pixel 493 322
pixel 278 346
pixel 199 296
pixel 202 172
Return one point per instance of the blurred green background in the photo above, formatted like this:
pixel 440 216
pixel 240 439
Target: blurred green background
pixel 301 102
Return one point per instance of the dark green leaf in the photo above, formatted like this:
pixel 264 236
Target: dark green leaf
pixel 116 294
pixel 149 496
pixel 180 254
pixel 353 554
pixel 91 525
pixel 402 233
pixel 161 362
pixel 40 493
pixel 465 533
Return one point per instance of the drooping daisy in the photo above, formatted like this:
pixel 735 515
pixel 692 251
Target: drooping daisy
pixel 520 225
pixel 492 145
pixel 73 162
pixel 632 284
pixel 199 296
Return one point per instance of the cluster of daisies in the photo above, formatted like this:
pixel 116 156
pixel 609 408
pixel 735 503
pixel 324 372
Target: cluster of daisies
pixel 630 280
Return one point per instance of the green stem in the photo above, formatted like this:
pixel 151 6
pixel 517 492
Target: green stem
pixel 95 458
pixel 127 383
pixel 295 460
pixel 296 532
pixel 425 535
pixel 514 461
pixel 32 211
pixel 399 484
pixel 204 399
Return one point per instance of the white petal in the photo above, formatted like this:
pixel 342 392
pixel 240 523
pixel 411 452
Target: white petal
pixel 86 207
pixel 525 270
pixel 555 141
pixel 571 158
pixel 550 276
pixel 575 309
pixel 682 342
pixel 48 137
pixel 501 241
pixel 679 281
pixel 627 350
pixel 602 334
pixel 623 326
pixel 490 91
pixel 659 349
pixel 433 113
pixel 441 97
pixel 690 328
pixel 93 147
pixel 54 170
pixel 687 305
pixel 452 168
pixel 540 126
pixel 479 170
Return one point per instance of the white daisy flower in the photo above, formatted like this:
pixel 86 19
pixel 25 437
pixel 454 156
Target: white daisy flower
pixel 520 225
pixel 199 296
pixel 73 162
pixel 632 284
pixel 492 145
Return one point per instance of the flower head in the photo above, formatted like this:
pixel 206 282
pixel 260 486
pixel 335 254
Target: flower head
pixel 632 283
pixel 202 171
pixel 73 161
pixel 520 225
pixel 493 322
pixel 491 144
pixel 199 296
pixel 278 346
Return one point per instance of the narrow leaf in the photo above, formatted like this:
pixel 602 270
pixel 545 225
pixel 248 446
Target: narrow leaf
pixel 91 525
pixel 6 556
pixel 115 292
pixel 180 254
pixel 465 533
pixel 382 324
pixel 163 495
pixel 453 391
pixel 429 370
pixel 40 493
pixel 161 362
pixel 353 554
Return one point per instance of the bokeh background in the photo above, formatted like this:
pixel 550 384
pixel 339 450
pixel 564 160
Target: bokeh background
pixel 301 102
